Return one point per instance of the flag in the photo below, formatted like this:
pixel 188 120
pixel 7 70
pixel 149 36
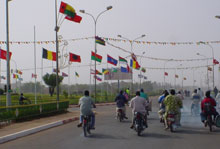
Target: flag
pixel 123 69
pixel 97 72
pixel 114 70
pixel 133 57
pixel 111 60
pixel 209 69
pixel 176 76
pixel 97 78
pixel 140 76
pixel 122 60
pixel 55 70
pixel 34 75
pixel 128 68
pixel 18 71
pixel 76 19
pixel 143 70
pixel 20 79
pixel 215 62
pixel 3 54
pixel 184 78
pixel 105 71
pixel 15 76
pixel 165 73
pixel 77 75
pixel 3 77
pixel 145 77
pixel 99 40
pixel 134 64
pixel 49 55
pixel 96 57
pixel 64 74
pixel 74 58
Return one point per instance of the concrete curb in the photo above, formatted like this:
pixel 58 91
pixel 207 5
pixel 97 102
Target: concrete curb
pixel 35 130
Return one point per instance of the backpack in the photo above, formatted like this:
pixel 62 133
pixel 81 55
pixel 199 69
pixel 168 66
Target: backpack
pixel 207 107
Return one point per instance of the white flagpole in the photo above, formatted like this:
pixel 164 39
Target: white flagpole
pixel 35 86
pixel 69 79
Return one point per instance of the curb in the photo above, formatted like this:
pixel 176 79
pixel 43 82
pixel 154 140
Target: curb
pixel 35 130
pixel 99 104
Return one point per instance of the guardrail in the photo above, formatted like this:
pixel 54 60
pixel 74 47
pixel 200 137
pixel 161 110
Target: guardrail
pixel 29 111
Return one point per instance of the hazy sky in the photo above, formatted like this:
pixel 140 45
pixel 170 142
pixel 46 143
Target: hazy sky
pixel 160 20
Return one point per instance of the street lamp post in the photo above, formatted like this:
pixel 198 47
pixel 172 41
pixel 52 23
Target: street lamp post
pixel 207 68
pixel 8 92
pixel 131 42
pixel 141 65
pixel 95 22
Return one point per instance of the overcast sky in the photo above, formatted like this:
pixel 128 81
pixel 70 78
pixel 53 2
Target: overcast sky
pixel 160 20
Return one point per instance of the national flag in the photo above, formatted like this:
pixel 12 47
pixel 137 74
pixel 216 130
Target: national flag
pixel 49 55
pixel 15 76
pixel 74 58
pixel 20 79
pixel 176 76
pixel 209 69
pixel 105 71
pixel 97 78
pixel 77 75
pixel 64 74
pixel 140 76
pixel 114 70
pixel 76 19
pixel 123 69
pixel 215 62
pixel 165 73
pixel 184 78
pixel 97 72
pixel 18 71
pixel 143 70
pixel 96 57
pixel 122 60
pixel 34 75
pixel 111 60
pixel 128 68
pixel 3 54
pixel 99 40
pixel 55 70
pixel 134 64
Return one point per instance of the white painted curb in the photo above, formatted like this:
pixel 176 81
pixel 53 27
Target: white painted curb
pixel 35 130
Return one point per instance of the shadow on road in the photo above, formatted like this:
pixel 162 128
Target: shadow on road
pixel 159 136
pixel 104 136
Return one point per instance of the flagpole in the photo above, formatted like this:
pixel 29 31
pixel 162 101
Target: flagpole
pixel 41 77
pixel 35 78
pixel 57 50
pixel 69 79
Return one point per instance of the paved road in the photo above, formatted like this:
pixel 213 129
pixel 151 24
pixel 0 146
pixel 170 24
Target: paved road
pixel 111 134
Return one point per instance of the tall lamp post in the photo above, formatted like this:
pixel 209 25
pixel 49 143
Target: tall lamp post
pixel 164 72
pixel 95 22
pixel 207 68
pixel 8 92
pixel 140 69
pixel 131 42
pixel 213 71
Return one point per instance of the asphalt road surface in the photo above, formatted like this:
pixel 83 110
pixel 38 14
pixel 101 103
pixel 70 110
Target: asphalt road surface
pixel 111 134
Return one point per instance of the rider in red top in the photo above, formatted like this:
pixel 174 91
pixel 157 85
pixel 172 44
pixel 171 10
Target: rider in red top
pixel 212 103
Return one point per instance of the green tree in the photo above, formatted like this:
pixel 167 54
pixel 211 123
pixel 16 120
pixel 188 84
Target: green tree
pixel 50 80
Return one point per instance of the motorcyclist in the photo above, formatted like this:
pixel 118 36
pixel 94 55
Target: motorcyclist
pixel 195 100
pixel 171 105
pixel 208 107
pixel 21 99
pixel 162 106
pixel 86 103
pixel 138 104
pixel 120 103
pixel 145 96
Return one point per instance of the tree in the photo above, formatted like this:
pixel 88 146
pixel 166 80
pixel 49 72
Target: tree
pixel 50 80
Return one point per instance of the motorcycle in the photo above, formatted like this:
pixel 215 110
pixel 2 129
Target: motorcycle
pixel 86 125
pixel 120 114
pixel 139 123
pixel 171 121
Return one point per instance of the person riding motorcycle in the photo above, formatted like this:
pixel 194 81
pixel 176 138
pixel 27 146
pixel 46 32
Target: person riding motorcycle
pixel 162 106
pixel 120 103
pixel 196 98
pixel 86 103
pixel 208 107
pixel 171 105
pixel 145 96
pixel 138 104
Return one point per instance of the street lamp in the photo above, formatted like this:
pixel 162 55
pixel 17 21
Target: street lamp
pixel 140 69
pixel 131 42
pixel 95 22
pixel 164 72
pixel 207 68
pixel 212 62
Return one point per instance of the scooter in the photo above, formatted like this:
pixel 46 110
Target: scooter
pixel 171 121
pixel 120 114
pixel 139 123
